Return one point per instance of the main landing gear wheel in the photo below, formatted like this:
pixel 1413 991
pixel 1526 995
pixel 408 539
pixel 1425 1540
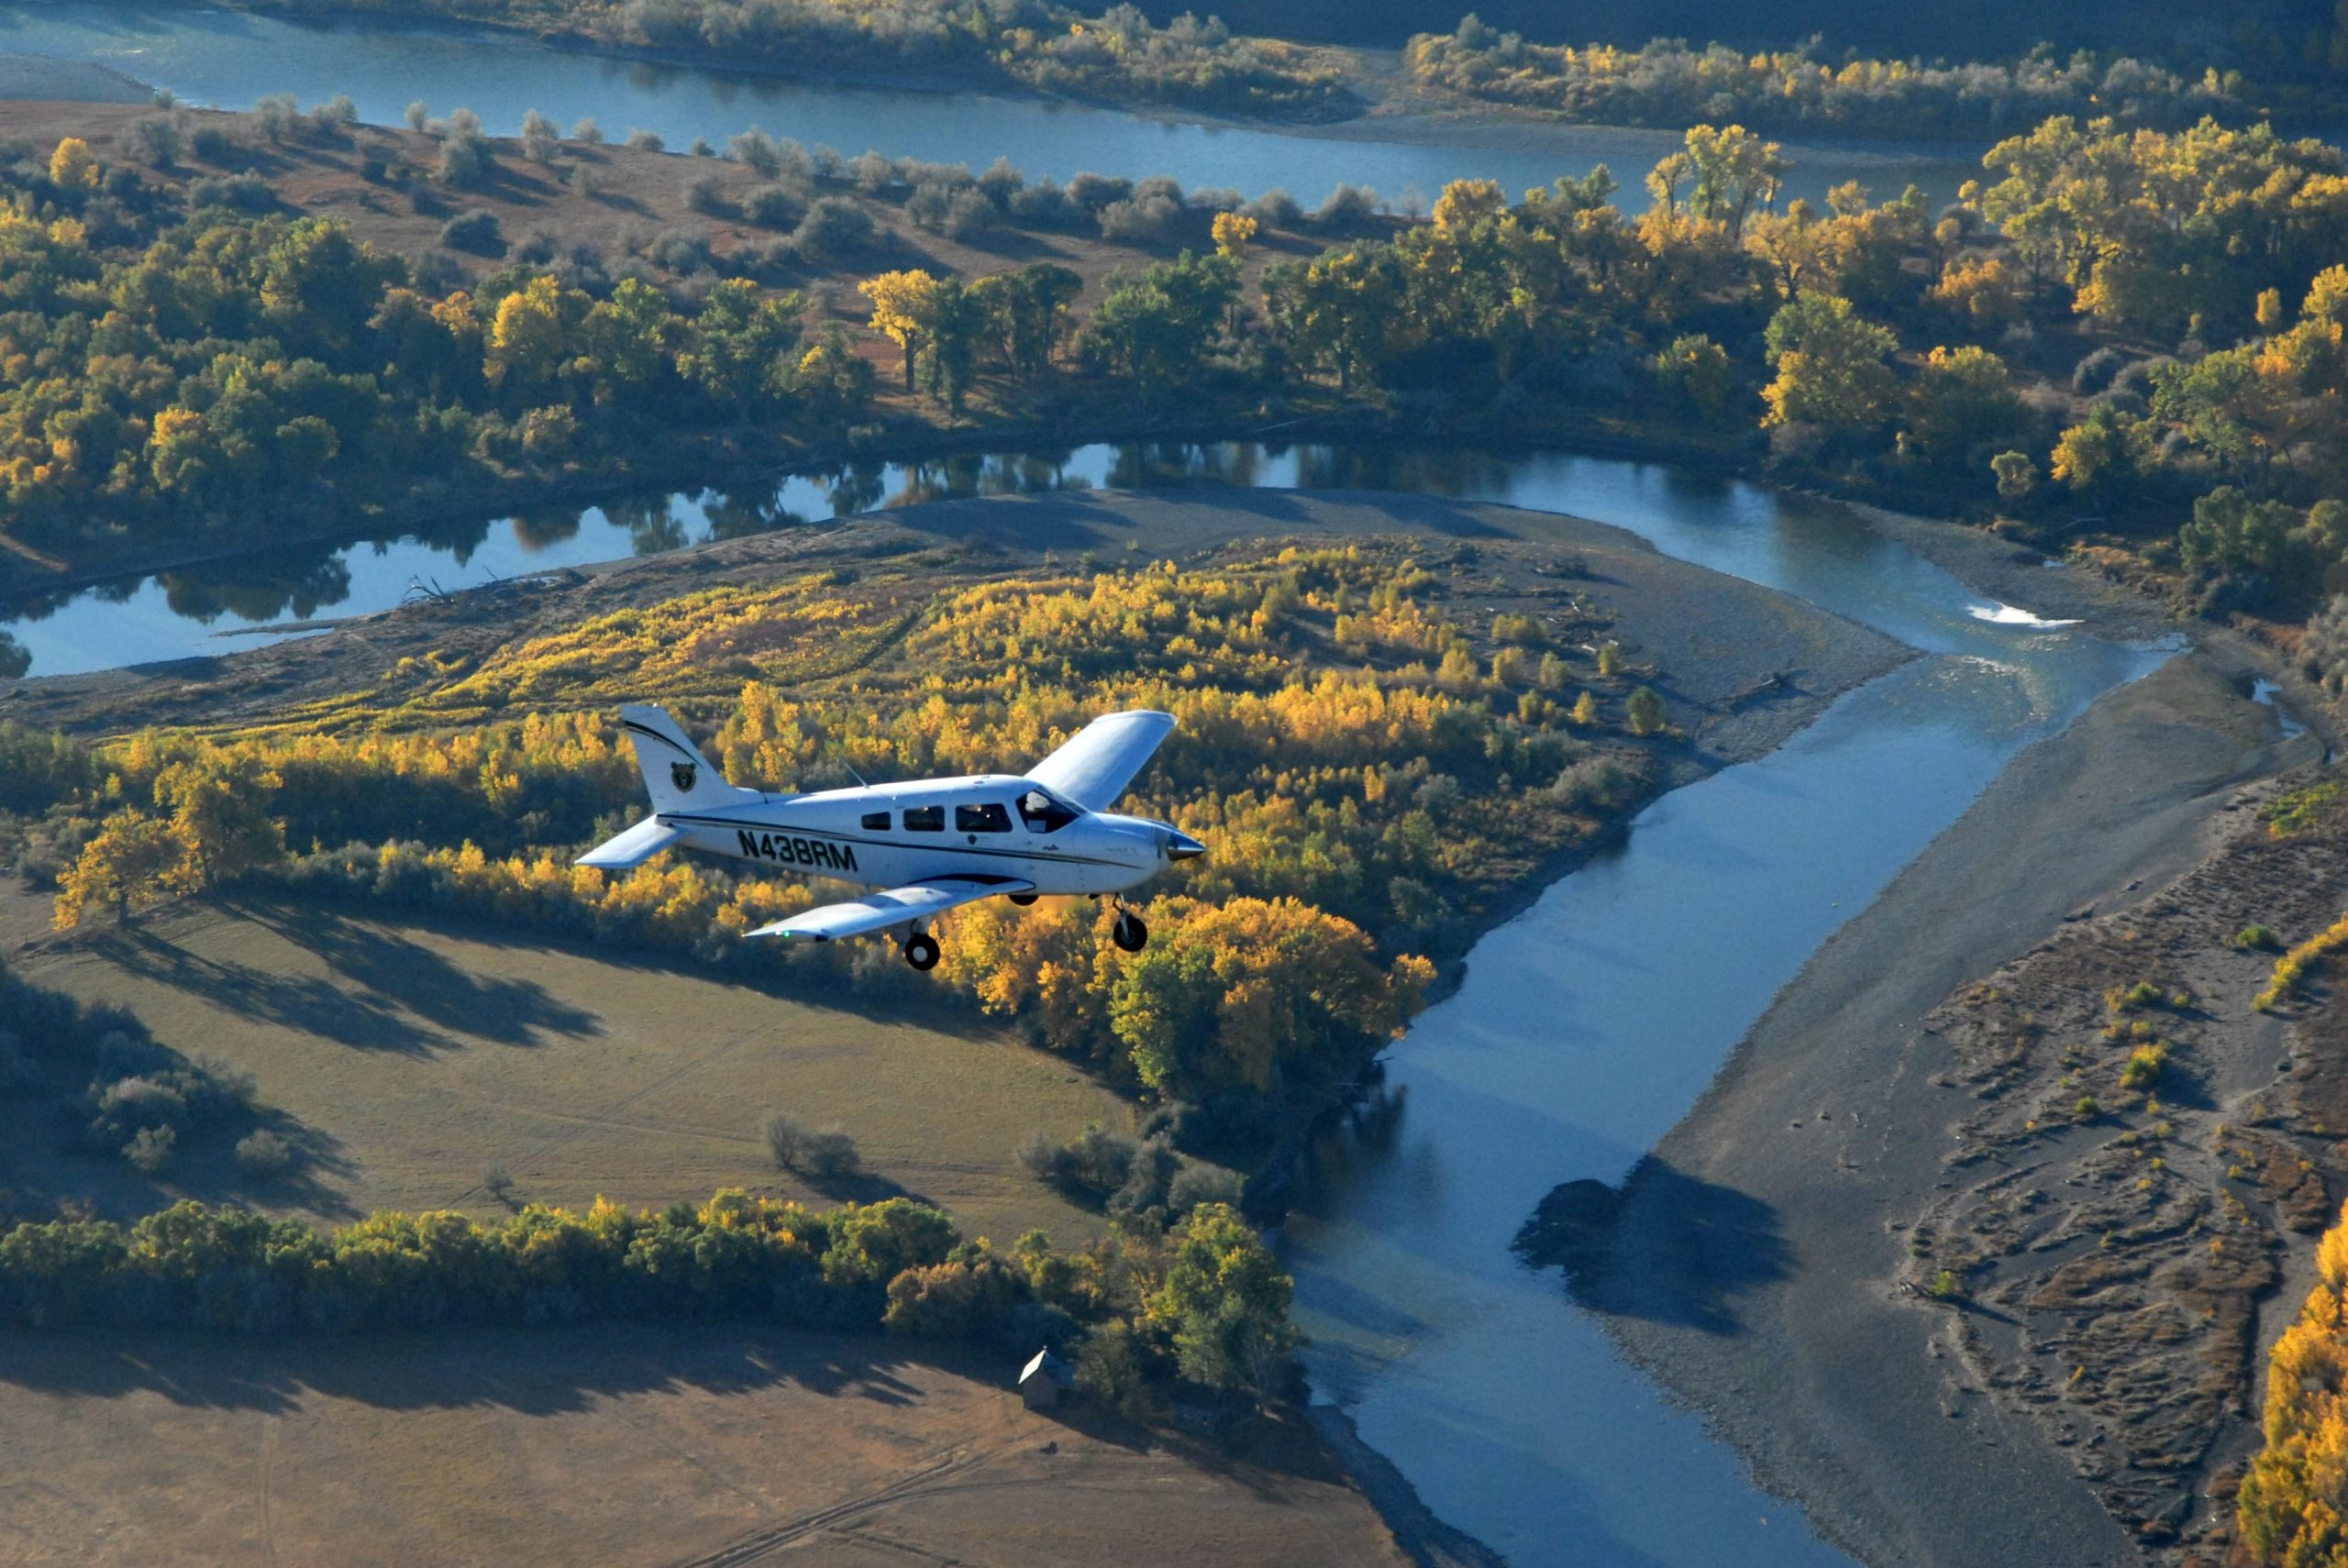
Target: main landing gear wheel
pixel 1023 899
pixel 1129 933
pixel 921 950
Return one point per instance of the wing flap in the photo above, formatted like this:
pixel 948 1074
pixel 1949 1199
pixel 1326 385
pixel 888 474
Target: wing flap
pixel 896 906
pixel 1095 765
pixel 634 848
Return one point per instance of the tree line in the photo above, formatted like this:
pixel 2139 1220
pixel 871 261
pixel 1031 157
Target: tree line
pixel 1804 90
pixel 1201 1302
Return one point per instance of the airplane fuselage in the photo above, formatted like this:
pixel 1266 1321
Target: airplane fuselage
pixel 990 827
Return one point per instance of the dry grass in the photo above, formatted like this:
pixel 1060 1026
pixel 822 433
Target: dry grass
pixel 414 1057
pixel 618 1446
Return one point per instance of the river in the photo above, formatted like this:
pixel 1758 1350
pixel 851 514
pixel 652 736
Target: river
pixel 232 59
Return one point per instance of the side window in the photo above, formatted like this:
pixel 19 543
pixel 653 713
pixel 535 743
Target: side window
pixel 989 818
pixel 1042 813
pixel 877 820
pixel 925 819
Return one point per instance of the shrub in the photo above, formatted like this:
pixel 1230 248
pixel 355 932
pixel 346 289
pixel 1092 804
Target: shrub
pixel 264 1156
pixel 1113 1371
pixel 754 148
pixel 2145 1066
pixel 477 230
pixel 2256 938
pixel 1645 712
pixel 1348 210
pixel 835 230
pixel 154 139
pixel 785 1138
pixel 280 116
pixel 705 194
pixel 497 1181
pixel 1195 1184
pixel 774 206
pixel 150 1149
pixel 1945 1286
pixel 1154 219
pixel 540 137
pixel 1275 209
pixel 418 114
pixel 646 141
pixel 2087 1109
pixel 244 193
pixel 587 133
pixel 2094 373
pixel 466 158
pixel 213 144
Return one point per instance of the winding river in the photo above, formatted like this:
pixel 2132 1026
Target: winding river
pixel 1576 1039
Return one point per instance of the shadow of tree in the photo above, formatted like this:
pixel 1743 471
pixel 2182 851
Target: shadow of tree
pixel 1667 1247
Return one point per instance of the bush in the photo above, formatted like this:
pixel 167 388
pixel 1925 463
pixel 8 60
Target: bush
pixel 1154 219
pixel 831 1154
pixel 477 230
pixel 755 147
pixel 153 140
pixel 835 230
pixel 244 193
pixel 497 1181
pixel 1195 1184
pixel 587 133
pixel 2094 373
pixel 1348 210
pixel 466 158
pixel 1275 209
pixel 152 1149
pixel 540 137
pixel 213 144
pixel 705 194
pixel 785 1139
pixel 774 206
pixel 263 1155
pixel 2257 939
pixel 646 141
pixel 2144 1066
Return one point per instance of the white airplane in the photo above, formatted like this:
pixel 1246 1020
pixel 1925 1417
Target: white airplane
pixel 930 845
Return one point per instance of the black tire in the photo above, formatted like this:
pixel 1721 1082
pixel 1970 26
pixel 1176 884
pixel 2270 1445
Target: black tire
pixel 921 950
pixel 1023 899
pixel 1129 933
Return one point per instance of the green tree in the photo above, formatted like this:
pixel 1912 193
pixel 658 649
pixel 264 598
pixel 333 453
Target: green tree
pixel 1830 365
pixel 1224 1302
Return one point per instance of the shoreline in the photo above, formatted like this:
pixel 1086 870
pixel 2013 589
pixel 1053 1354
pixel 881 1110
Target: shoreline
pixel 1836 1390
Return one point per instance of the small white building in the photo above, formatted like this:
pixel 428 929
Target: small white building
pixel 1043 1380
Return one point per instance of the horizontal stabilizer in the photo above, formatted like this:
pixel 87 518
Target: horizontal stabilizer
pixel 634 848
pixel 898 906
pixel 1097 762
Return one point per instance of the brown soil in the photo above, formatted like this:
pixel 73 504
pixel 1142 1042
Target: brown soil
pixel 691 1447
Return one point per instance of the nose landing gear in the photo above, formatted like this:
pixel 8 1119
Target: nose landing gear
pixel 1129 933
pixel 921 950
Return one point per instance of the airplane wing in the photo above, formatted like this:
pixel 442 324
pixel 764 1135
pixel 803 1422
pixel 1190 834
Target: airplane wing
pixel 634 848
pixel 898 906
pixel 1097 762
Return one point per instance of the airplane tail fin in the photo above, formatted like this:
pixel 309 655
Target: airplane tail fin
pixel 676 775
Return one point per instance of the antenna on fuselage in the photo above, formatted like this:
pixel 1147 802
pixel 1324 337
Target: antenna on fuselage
pixel 860 777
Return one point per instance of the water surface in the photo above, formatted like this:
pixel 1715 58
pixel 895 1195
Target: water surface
pixel 232 59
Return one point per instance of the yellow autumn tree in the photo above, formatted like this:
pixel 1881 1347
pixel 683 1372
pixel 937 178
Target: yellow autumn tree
pixel 904 307
pixel 73 166
pixel 1465 201
pixel 1231 233
pixel 527 336
pixel 2293 1503
pixel 134 862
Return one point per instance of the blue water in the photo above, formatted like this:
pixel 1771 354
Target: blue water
pixel 232 59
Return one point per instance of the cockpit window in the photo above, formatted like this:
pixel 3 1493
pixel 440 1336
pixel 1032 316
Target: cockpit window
pixel 989 818
pixel 1042 813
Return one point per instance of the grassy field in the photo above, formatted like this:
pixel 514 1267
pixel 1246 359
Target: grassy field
pixel 411 1059
pixel 619 1445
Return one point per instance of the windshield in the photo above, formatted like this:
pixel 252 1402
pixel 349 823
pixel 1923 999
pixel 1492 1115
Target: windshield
pixel 1046 812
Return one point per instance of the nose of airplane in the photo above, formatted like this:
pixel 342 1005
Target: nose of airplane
pixel 1180 845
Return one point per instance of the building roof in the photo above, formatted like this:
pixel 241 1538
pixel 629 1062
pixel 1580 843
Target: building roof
pixel 1044 1364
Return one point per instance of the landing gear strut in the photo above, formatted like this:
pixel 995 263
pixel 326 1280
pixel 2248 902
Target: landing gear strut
pixel 921 950
pixel 1129 933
